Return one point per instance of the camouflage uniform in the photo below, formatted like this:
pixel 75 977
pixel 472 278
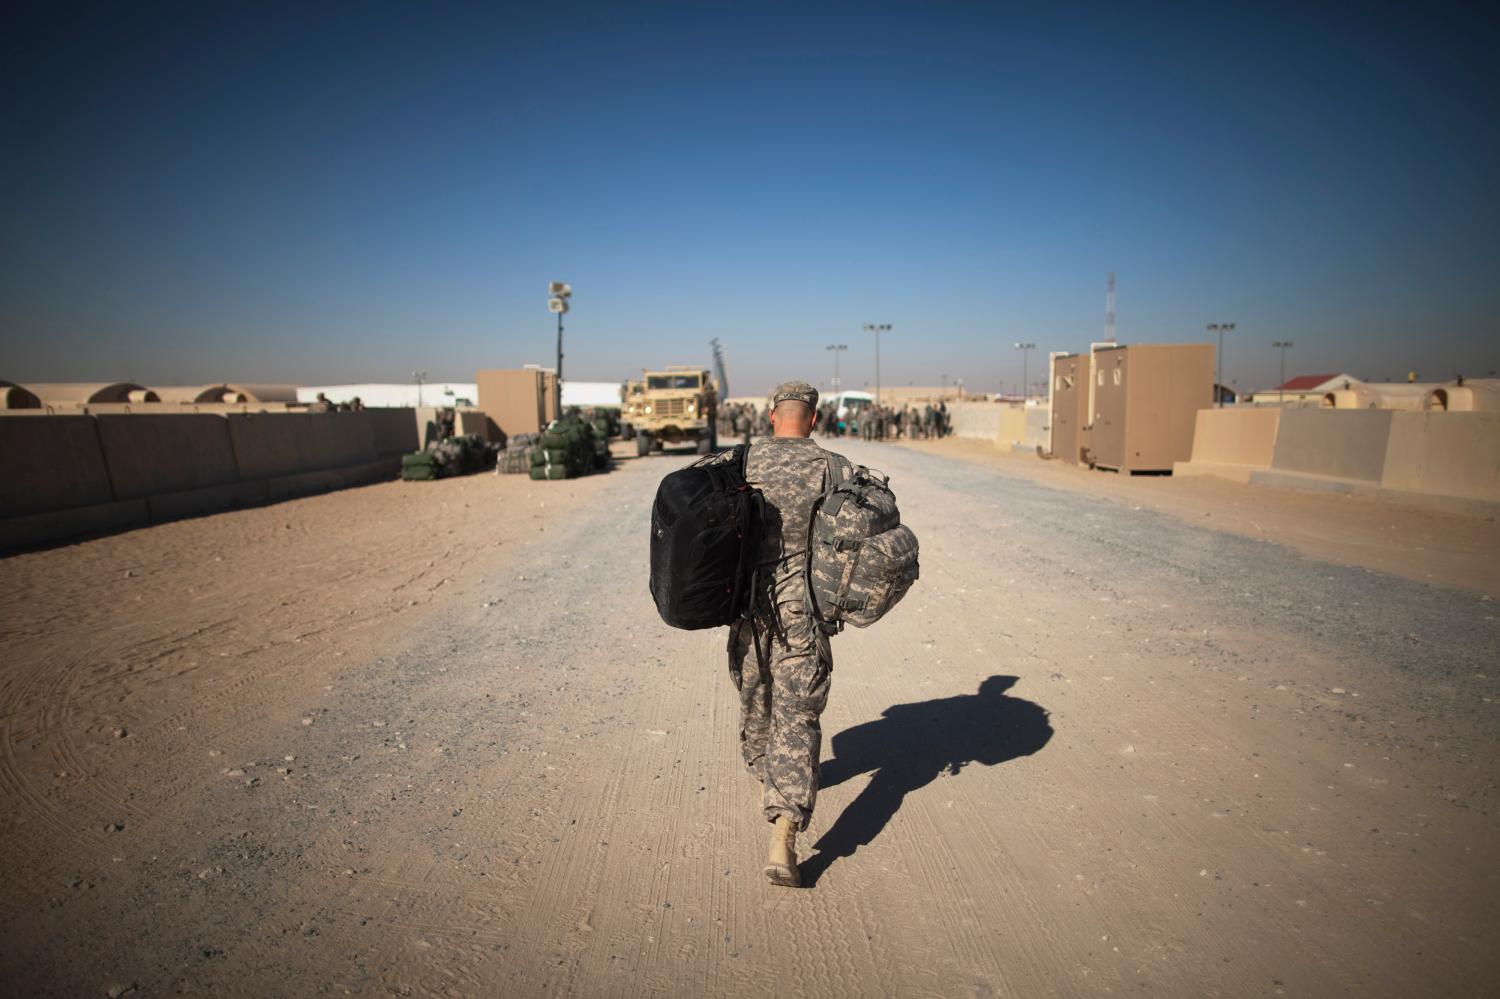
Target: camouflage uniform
pixel 780 702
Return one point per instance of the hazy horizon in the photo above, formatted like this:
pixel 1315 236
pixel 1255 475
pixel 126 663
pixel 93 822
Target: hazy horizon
pixel 321 197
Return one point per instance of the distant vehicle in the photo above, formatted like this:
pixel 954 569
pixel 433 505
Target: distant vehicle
pixel 631 400
pixel 843 402
pixel 676 404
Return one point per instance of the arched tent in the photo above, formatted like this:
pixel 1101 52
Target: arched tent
pixel 83 393
pixel 265 393
pixel 201 393
pixel 13 396
pixel 1470 397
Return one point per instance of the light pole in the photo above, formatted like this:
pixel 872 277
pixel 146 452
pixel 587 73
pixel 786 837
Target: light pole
pixel 1221 329
pixel 557 304
pixel 418 377
pixel 1025 349
pixel 877 329
pixel 1282 345
pixel 944 394
pixel 837 349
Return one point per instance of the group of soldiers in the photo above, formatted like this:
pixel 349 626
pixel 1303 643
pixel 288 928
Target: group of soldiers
pixel 322 404
pixel 879 423
pixel 743 420
pixel 868 422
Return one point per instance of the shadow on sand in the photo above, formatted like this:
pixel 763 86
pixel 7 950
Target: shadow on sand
pixel 909 746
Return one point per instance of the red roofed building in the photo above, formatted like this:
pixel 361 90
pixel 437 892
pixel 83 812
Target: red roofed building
pixel 1305 390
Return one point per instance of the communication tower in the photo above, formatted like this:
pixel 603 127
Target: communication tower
pixel 1109 309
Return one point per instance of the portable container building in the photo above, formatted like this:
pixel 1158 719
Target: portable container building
pixel 1146 402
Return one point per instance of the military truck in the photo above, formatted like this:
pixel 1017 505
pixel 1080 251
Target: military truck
pixel 676 404
pixel 630 406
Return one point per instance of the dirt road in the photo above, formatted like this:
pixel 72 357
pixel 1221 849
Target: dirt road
pixel 431 739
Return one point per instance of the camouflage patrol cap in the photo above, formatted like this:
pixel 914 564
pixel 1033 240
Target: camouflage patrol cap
pixel 800 391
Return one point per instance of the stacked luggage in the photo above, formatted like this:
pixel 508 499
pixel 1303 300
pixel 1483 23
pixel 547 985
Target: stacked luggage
pixel 516 458
pixel 419 467
pixel 449 457
pixel 566 451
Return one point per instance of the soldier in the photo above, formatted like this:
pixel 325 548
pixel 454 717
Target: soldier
pixel 779 659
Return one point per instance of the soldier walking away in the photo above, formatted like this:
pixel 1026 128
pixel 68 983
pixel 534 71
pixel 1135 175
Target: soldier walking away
pixel 779 658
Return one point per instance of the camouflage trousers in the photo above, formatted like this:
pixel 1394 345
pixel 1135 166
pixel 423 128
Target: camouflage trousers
pixel 780 703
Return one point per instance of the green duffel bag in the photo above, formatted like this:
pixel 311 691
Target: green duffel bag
pixel 536 456
pixel 420 459
pixel 552 472
pixel 418 473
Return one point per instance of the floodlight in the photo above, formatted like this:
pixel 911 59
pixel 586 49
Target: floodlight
pixel 557 305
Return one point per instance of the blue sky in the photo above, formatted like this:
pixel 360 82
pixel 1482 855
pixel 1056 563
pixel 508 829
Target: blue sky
pixel 264 193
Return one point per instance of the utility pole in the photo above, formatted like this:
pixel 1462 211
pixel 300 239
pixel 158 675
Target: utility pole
pixel 837 349
pixel 419 377
pixel 877 329
pixel 1221 329
pixel 1282 345
pixel 558 304
pixel 1025 349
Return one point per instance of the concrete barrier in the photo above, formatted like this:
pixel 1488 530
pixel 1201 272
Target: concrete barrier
pixel 1231 443
pixel 395 430
pixel 340 440
pixel 471 421
pixel 147 455
pixel 1012 430
pixel 1445 454
pixel 51 463
pixel 51 526
pixel 1333 443
pixel 1038 428
pixel 975 419
pixel 72 475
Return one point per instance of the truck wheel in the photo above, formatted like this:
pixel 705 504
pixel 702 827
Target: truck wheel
pixel 642 444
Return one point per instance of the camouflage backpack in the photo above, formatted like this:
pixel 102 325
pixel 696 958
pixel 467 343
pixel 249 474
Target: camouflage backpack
pixel 861 559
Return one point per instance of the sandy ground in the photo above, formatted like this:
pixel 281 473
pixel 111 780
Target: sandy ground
pixel 431 739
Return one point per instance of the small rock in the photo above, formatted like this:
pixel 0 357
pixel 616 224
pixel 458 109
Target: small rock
pixel 120 733
pixel 1338 690
pixel 307 721
pixel 115 827
pixel 116 991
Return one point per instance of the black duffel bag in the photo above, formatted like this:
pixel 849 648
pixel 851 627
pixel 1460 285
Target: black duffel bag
pixel 705 525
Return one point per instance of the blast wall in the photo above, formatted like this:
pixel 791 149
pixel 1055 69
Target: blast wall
pixel 1345 444
pixel 67 475
pixel 976 419
pixel 147 455
pixel 1451 454
pixel 1440 459
pixel 50 462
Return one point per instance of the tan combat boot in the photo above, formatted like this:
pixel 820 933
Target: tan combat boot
pixel 781 865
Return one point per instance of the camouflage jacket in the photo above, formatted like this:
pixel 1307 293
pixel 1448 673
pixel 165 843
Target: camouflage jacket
pixel 790 472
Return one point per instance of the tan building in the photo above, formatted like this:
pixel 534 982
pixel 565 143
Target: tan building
pixel 1070 406
pixel 518 401
pixel 1146 402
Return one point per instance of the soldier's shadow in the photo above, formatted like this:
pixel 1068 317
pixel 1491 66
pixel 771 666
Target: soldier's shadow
pixel 909 746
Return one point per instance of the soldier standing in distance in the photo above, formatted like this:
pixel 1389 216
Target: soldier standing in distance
pixel 783 685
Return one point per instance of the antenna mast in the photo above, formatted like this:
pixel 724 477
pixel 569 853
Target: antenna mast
pixel 719 364
pixel 1109 310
